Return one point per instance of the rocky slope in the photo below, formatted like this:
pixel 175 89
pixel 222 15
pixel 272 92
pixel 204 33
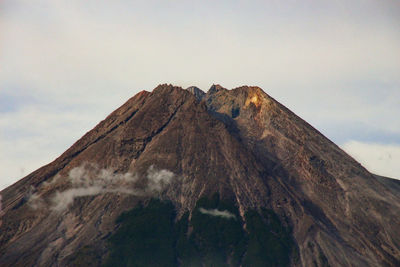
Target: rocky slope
pixel 185 146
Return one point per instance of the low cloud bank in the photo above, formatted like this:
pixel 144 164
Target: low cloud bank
pixel 88 180
pixel 218 213
pixel 381 159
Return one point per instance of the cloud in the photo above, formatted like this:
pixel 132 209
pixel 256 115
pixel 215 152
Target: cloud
pixel 218 213
pixel 24 138
pixel 381 159
pixel 318 61
pixel 88 180
pixel 117 48
pixel 35 201
pixel 158 179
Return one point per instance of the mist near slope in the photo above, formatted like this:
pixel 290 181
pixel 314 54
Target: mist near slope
pixel 218 213
pixel 89 180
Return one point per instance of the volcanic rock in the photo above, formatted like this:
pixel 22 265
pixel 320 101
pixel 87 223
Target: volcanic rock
pixel 239 146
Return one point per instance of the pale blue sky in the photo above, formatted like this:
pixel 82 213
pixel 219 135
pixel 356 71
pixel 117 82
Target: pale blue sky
pixel 65 65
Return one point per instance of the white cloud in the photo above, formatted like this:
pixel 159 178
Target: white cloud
pixel 34 136
pixel 89 57
pixel 218 213
pixel 88 180
pixel 381 159
pixel 93 50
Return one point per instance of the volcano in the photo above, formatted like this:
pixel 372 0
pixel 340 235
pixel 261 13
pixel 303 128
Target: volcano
pixel 180 177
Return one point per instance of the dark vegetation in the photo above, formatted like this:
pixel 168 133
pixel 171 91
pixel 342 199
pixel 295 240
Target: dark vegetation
pixel 146 237
pixel 270 243
pixel 149 235
pixel 86 256
pixel 213 241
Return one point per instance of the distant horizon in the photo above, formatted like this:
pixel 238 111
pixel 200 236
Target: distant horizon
pixel 67 64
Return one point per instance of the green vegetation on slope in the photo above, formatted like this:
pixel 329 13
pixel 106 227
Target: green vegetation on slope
pixel 214 240
pixel 146 237
pixel 270 244
pixel 149 236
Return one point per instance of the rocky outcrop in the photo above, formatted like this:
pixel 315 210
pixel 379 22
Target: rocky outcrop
pixel 197 92
pixel 240 144
pixel 330 199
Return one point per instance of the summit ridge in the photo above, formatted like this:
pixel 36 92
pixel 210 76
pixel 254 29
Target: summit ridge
pixel 236 153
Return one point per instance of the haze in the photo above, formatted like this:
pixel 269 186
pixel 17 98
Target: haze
pixel 65 65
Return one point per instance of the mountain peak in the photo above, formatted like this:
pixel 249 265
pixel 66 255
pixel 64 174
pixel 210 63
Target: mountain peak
pixel 237 158
pixel 215 88
pixel 166 88
pixel 197 92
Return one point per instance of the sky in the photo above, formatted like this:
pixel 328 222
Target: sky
pixel 65 65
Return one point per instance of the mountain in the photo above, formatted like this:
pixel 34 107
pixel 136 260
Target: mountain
pixel 179 177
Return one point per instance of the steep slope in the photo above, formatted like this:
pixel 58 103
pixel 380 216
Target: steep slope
pixel 344 212
pixel 187 147
pixel 168 129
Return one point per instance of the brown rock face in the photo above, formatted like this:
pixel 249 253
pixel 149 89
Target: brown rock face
pixel 181 145
pixel 336 206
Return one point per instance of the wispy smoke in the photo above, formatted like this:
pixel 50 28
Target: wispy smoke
pixel 35 201
pixel 63 199
pixel 218 213
pixel 158 179
pixel 88 180
pixel 52 181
